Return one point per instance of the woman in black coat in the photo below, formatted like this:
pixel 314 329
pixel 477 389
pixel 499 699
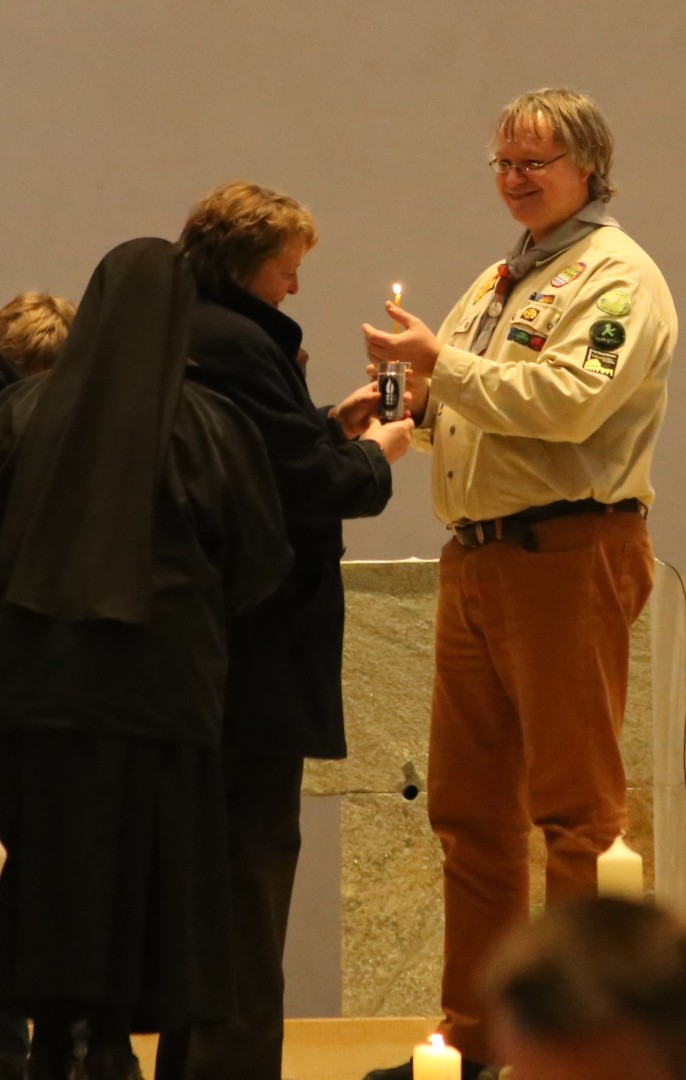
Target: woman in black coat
pixel 244 244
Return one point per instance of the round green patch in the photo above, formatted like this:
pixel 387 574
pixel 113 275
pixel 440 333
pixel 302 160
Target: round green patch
pixel 607 335
pixel 614 303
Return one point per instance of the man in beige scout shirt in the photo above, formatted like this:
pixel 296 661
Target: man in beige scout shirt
pixel 541 396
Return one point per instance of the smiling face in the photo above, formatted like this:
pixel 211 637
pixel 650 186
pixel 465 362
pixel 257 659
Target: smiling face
pixel 277 276
pixel 542 200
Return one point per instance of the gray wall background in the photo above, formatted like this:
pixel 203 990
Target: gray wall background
pixel 115 118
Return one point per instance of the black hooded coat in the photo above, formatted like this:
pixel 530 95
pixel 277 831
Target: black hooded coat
pixel 137 511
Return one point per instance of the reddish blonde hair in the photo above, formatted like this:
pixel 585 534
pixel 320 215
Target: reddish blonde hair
pixel 33 329
pixel 230 233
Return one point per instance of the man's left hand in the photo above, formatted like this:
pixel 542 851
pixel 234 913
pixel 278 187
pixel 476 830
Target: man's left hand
pixel 415 344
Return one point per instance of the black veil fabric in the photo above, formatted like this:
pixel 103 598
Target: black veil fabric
pixel 76 540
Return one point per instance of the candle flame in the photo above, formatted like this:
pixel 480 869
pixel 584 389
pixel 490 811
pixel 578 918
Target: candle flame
pixel 437 1042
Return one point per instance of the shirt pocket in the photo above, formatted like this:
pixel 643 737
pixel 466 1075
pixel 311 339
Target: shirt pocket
pixel 538 316
pixel 463 328
pixel 531 323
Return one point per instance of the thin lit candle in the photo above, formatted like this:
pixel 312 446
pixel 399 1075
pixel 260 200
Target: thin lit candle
pixel 436 1061
pixel 620 871
pixel 397 297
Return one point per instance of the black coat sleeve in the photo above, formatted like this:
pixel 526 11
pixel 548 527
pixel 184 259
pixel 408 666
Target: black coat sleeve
pixel 320 479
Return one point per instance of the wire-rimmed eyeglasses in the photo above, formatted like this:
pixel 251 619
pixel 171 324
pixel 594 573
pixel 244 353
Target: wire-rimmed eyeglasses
pixel 501 166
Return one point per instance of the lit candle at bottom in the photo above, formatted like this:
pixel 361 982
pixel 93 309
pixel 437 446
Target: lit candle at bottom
pixel 620 871
pixel 436 1061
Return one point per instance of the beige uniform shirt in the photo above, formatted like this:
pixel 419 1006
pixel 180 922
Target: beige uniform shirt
pixel 569 399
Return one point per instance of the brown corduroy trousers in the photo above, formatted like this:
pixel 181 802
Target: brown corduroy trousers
pixel 532 654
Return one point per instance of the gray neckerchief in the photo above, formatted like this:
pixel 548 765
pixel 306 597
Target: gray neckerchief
pixel 522 258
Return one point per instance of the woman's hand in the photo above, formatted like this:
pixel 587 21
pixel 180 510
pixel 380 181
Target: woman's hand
pixel 356 411
pixel 393 437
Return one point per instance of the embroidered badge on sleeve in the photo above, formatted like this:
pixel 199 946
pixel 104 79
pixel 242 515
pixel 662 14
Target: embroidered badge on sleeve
pixel 603 363
pixel 614 303
pixel 606 334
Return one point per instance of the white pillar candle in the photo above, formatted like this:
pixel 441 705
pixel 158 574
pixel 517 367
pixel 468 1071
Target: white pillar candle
pixel 620 872
pixel 436 1061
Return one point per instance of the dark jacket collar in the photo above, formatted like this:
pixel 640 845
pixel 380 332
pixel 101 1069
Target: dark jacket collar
pixel 281 329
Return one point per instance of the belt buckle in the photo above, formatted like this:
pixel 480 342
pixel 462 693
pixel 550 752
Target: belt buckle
pixel 465 535
pixel 477 533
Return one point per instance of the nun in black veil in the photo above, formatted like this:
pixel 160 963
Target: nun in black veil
pixel 137 509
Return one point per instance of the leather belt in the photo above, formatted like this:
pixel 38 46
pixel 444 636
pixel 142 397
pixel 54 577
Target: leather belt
pixel 517 527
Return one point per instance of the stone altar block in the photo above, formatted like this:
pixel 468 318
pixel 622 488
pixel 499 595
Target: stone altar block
pixel 389 916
